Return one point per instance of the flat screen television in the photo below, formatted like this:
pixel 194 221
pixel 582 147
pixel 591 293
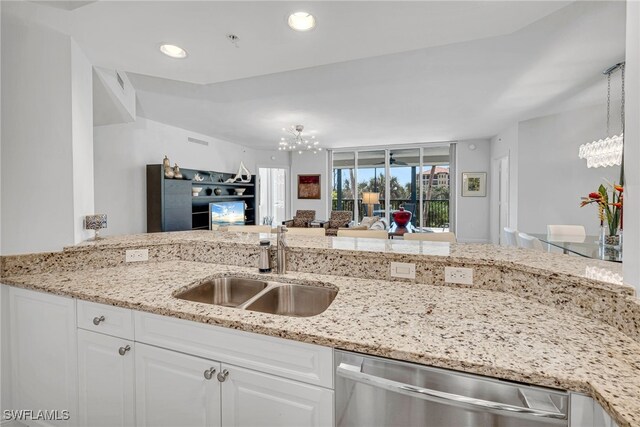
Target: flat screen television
pixel 227 213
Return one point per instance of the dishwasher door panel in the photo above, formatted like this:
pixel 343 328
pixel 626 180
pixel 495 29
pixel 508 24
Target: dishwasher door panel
pixel 372 391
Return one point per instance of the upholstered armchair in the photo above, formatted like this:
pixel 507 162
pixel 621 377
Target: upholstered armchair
pixel 301 219
pixel 338 219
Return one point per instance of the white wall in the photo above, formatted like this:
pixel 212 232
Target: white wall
pixel 631 241
pixel 309 163
pixel 121 152
pixel 37 135
pixel 505 144
pixel 82 140
pixel 551 177
pixel 112 103
pixel 472 213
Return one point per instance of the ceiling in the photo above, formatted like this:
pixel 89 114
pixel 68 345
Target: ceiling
pixel 126 34
pixel 370 73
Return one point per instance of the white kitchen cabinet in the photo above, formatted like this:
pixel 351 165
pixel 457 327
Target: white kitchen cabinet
pixel 106 380
pixel 44 355
pixel 251 398
pixel 175 389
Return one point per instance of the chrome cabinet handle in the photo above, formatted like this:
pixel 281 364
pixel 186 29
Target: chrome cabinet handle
pixel 355 373
pixel 97 320
pixel 222 376
pixel 123 350
pixel 208 374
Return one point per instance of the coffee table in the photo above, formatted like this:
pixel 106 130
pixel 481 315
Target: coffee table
pixel 399 231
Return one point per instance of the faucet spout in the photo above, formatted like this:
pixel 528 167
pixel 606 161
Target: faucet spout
pixel 281 247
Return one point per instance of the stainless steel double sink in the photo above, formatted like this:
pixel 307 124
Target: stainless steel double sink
pixel 267 297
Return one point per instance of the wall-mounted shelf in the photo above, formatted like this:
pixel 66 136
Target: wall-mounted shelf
pixel 223 184
pixel 244 196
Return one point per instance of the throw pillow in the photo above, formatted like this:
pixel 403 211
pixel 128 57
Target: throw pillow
pixel 368 221
pixel 359 227
pixel 378 225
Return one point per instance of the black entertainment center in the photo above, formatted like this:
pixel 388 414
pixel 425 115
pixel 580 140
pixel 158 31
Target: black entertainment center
pixel 173 206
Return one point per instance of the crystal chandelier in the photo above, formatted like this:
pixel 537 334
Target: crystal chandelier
pixel 297 142
pixel 608 151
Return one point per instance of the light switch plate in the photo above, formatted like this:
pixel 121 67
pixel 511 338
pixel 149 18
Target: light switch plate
pixel 403 270
pixel 458 275
pixel 137 255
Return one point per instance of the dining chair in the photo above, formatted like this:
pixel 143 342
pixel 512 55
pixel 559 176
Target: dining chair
pixel 315 231
pixel 446 236
pixel 510 237
pixel 370 234
pixel 249 228
pixel 568 233
pixel 529 242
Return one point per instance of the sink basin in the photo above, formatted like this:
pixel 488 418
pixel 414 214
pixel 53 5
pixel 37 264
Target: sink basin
pixel 294 300
pixel 226 291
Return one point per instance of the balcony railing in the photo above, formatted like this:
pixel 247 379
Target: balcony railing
pixel 437 216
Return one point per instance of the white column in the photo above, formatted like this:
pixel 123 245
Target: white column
pixel 631 266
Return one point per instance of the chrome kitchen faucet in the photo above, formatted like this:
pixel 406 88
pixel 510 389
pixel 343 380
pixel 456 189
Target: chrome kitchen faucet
pixel 281 247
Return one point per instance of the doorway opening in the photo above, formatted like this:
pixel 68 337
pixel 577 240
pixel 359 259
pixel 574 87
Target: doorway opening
pixel 272 202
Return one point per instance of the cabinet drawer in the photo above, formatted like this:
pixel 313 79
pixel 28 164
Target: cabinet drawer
pixel 309 363
pixel 106 319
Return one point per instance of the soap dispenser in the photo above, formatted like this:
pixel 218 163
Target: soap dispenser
pixel 264 258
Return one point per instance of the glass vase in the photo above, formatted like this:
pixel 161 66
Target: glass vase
pixel 612 241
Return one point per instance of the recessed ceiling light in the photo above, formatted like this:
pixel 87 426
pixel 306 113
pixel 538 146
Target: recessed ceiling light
pixel 301 21
pixel 173 51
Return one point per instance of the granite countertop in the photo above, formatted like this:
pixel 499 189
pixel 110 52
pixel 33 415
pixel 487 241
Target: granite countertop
pixel 471 330
pixel 585 271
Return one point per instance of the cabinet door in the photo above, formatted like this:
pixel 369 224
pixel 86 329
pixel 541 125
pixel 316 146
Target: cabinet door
pixel 106 380
pixel 173 390
pixel 251 398
pixel 177 205
pixel 44 355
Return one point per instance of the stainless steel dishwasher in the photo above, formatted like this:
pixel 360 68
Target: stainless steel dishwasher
pixel 373 391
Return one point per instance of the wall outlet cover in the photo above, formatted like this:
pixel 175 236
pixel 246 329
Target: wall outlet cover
pixel 403 270
pixel 137 255
pixel 458 275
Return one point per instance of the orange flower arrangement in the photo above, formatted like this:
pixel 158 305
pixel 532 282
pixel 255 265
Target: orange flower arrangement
pixel 609 210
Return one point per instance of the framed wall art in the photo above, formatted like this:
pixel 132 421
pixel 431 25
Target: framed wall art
pixel 474 184
pixel 309 187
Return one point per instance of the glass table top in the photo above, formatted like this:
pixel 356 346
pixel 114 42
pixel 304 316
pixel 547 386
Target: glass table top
pixel 588 246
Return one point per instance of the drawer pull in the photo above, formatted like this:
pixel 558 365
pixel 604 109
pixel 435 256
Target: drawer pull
pixel 208 374
pixel 123 350
pixel 222 376
pixel 97 320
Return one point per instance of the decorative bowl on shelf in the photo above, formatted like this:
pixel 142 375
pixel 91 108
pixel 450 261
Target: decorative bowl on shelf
pixel 240 191
pixel 196 190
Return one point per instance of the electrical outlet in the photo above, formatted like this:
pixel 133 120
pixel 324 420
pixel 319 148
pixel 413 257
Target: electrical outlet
pixel 137 255
pixel 459 275
pixel 403 270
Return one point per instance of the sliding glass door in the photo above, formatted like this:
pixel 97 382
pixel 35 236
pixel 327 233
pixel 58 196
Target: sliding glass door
pixel 371 183
pixel 404 170
pixel 436 189
pixel 344 182
pixel 417 179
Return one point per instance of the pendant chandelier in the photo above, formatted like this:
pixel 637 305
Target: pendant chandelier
pixel 608 151
pixel 297 142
